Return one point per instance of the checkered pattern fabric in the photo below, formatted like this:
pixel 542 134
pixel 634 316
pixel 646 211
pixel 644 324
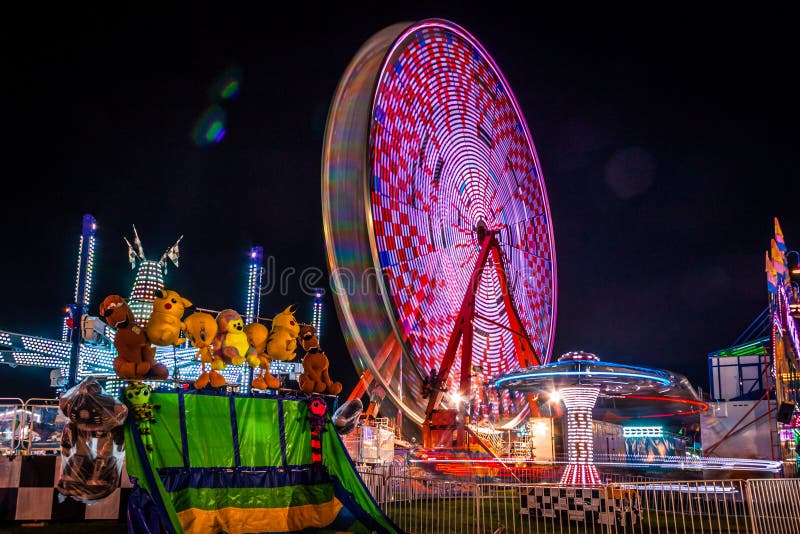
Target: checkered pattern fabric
pixel 28 492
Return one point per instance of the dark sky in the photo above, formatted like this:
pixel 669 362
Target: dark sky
pixel 667 140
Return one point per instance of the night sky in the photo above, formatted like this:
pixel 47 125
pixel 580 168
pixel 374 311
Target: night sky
pixel 667 141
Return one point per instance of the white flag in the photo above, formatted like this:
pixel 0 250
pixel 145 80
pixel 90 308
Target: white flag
pixel 137 242
pixel 173 253
pixel 131 253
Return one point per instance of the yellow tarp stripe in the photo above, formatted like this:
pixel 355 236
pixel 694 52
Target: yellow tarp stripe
pixel 243 520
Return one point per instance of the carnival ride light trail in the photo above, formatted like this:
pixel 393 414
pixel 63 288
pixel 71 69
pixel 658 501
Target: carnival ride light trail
pixel 664 462
pixel 431 180
pixel 580 378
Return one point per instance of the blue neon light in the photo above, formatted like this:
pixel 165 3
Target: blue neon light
pixel 588 374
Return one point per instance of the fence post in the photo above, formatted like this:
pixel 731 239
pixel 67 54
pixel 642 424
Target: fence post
pixel 478 508
pixel 28 425
pixel 751 506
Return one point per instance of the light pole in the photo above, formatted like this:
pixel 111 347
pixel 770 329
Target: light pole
pixel 83 288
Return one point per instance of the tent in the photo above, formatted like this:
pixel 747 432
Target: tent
pixel 224 462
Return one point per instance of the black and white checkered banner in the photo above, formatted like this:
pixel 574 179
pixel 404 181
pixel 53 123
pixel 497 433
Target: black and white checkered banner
pixel 605 506
pixel 28 492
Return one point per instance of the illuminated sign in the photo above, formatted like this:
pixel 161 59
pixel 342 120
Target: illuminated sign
pixel 643 432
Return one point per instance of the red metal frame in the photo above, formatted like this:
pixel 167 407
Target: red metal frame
pixel 389 348
pixel 463 329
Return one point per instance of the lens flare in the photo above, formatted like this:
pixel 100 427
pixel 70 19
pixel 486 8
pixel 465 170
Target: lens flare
pixel 210 127
pixel 227 85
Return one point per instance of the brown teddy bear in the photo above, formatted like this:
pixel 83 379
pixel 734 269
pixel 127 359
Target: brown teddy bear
pixel 315 377
pixel 135 355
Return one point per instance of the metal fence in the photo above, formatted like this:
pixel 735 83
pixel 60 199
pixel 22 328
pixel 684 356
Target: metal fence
pixel 30 427
pixel 11 419
pixel 45 424
pixel 426 505
pixel 774 505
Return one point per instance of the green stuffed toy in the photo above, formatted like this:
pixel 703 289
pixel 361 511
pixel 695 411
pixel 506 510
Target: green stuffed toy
pixel 137 397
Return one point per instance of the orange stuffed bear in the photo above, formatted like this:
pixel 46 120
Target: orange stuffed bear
pixel 315 377
pixel 257 358
pixel 135 355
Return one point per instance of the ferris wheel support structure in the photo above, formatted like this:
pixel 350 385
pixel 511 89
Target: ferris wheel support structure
pixel 463 330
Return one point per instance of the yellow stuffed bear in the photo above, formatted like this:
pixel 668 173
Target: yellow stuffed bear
pixel 231 341
pixel 257 335
pixel 201 329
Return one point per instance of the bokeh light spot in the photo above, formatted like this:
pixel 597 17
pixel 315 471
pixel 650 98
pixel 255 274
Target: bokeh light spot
pixel 630 172
pixel 210 127
pixel 227 85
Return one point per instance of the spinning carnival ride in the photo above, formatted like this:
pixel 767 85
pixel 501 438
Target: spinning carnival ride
pixel 437 227
pixel 86 345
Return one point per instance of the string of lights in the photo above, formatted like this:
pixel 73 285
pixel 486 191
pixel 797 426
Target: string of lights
pixel 579 402
pixel 254 275
pixel 316 316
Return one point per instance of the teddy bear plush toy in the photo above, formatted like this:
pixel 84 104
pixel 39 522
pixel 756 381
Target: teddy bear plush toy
pixel 231 344
pixel 257 358
pixel 315 377
pixel 165 323
pixel 135 355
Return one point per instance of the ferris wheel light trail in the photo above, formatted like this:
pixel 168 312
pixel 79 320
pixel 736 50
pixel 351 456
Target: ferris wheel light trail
pixel 424 143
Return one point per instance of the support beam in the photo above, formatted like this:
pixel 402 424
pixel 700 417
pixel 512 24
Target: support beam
pixel 463 334
pixel 83 289
pixel 463 324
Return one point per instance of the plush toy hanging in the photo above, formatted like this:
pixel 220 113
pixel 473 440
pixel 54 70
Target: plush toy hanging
pixel 257 358
pixel 165 323
pixel 231 344
pixel 135 355
pixel 201 329
pixel 137 397
pixel 282 343
pixel 92 442
pixel 315 377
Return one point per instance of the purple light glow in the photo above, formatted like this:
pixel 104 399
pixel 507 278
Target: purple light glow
pixel 451 150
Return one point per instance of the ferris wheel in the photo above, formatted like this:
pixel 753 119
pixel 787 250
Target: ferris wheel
pixel 437 224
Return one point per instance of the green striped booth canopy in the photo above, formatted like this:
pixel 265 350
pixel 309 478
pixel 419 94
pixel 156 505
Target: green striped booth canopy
pixel 236 464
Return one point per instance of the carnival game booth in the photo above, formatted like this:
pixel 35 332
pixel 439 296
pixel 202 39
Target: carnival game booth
pixel 227 462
